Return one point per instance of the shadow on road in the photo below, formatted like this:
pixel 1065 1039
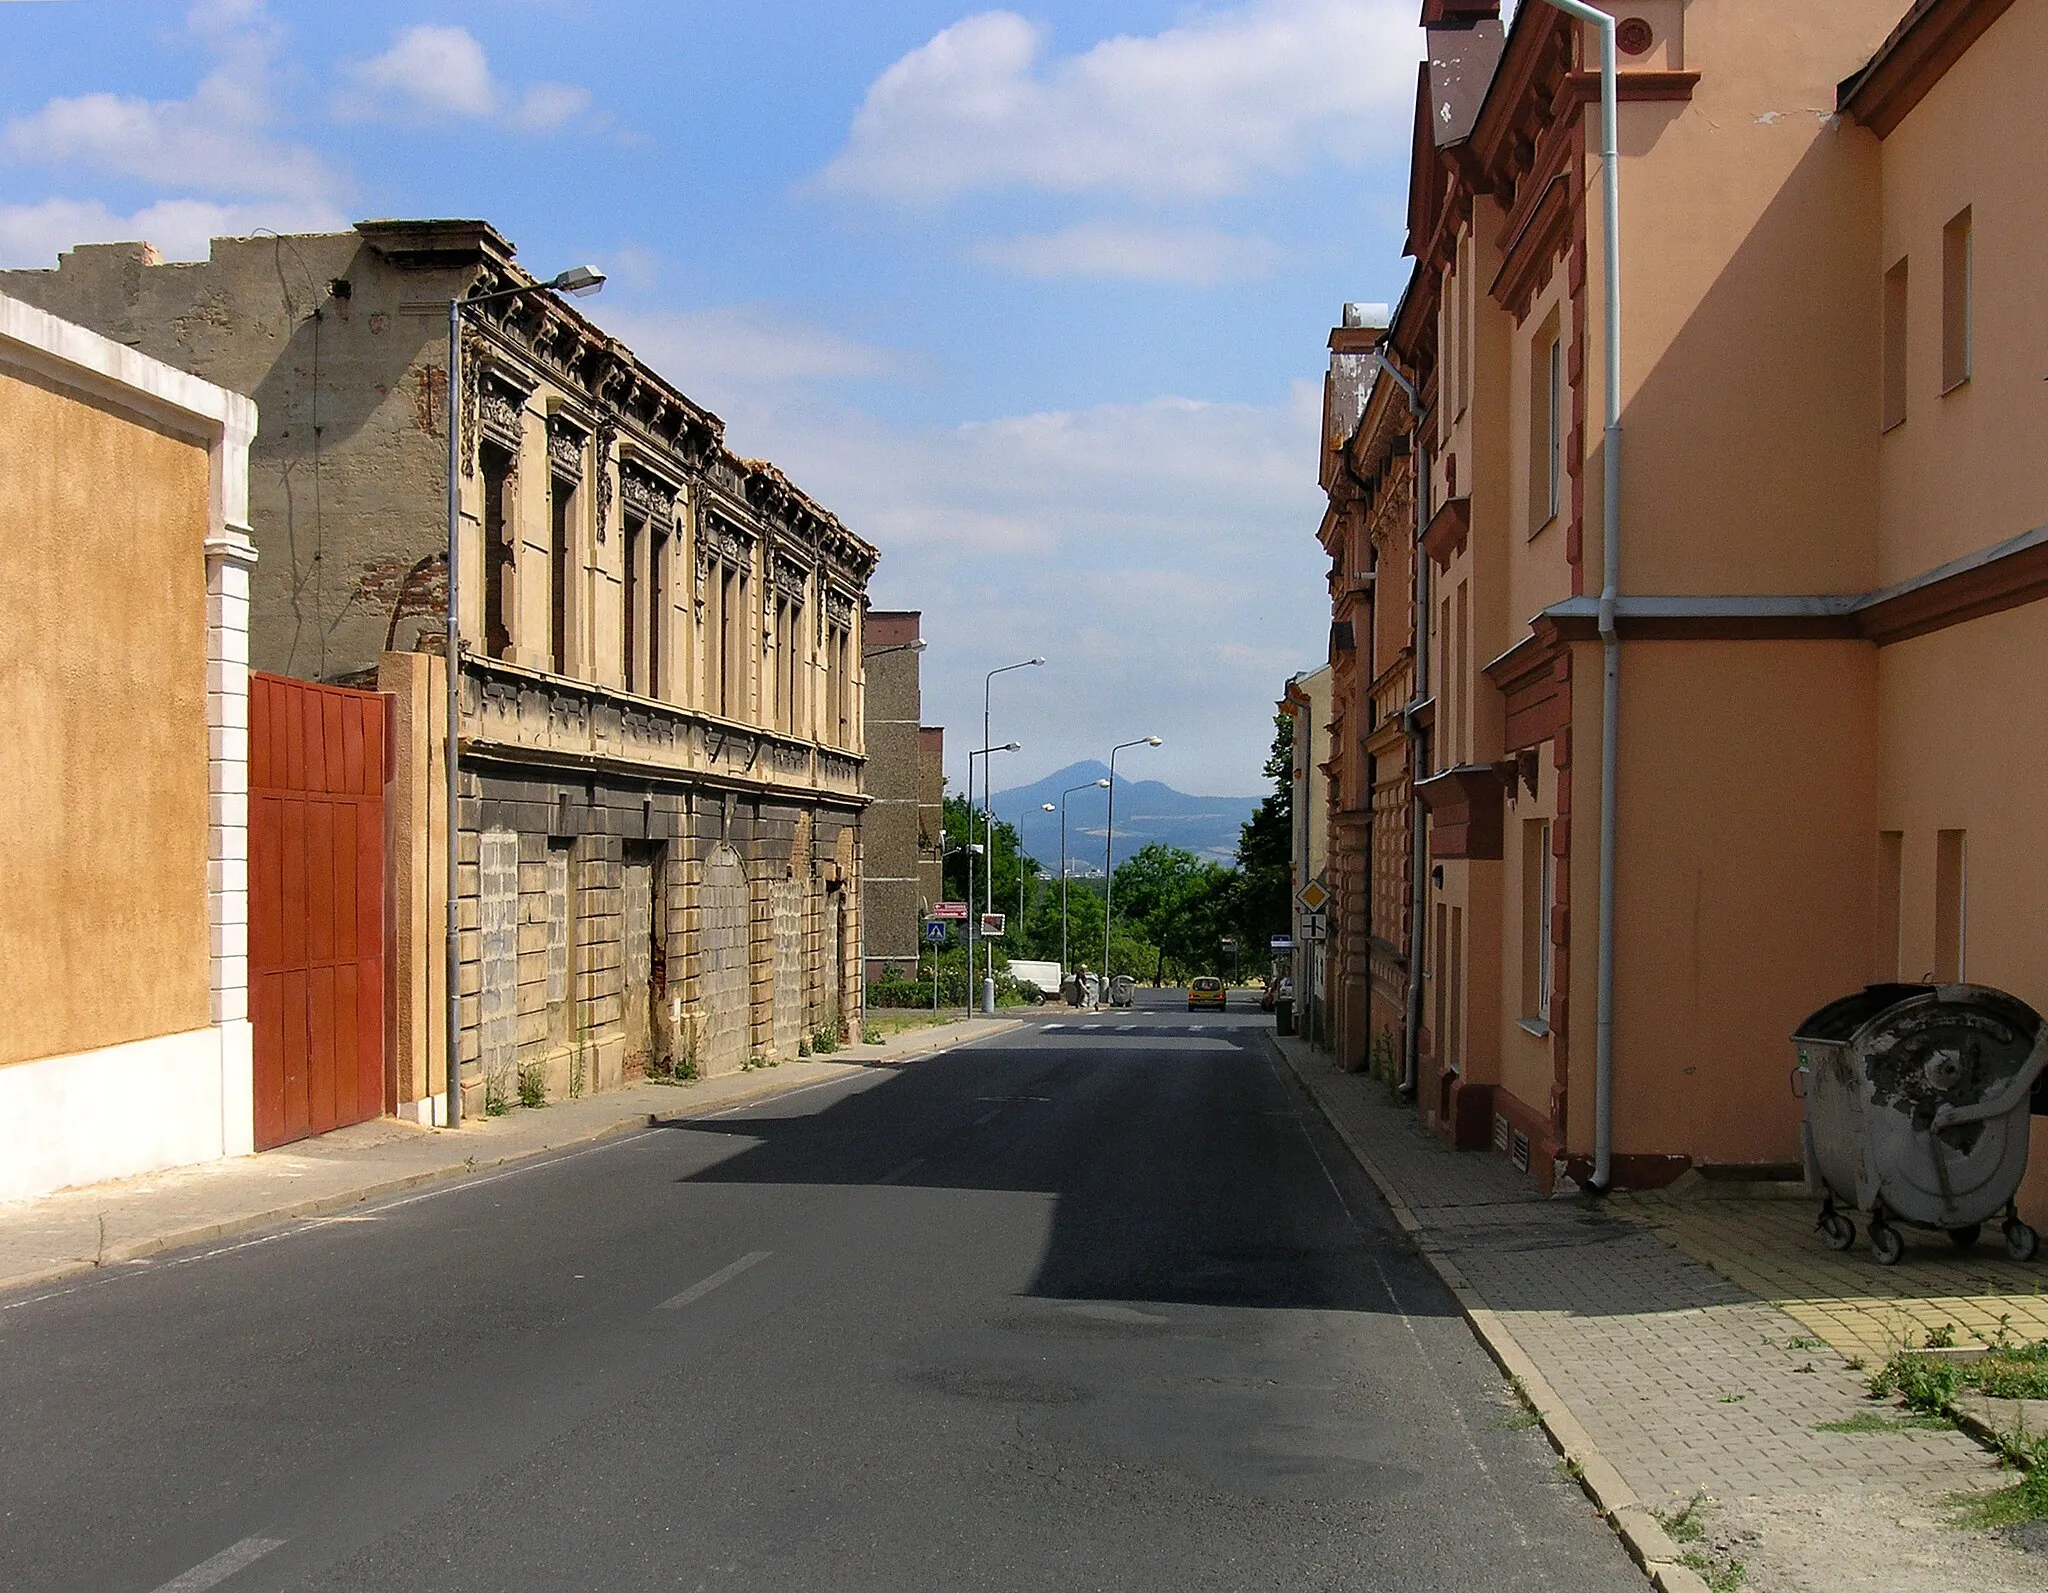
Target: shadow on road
pixel 1181 1166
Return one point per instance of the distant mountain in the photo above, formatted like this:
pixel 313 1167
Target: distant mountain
pixel 1147 812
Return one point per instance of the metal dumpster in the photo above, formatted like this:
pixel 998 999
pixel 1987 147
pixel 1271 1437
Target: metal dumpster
pixel 1917 1111
pixel 1123 990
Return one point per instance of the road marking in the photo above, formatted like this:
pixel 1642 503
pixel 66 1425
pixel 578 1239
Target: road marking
pixel 222 1566
pixel 1054 1028
pixel 989 1116
pixel 904 1171
pixel 704 1286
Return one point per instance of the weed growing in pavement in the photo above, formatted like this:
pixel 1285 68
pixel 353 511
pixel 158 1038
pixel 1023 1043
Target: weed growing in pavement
pixel 826 1040
pixel 1943 1337
pixel 1727 1577
pixel 495 1101
pixel 1930 1383
pixel 1687 1524
pixel 1871 1421
pixel 1525 1414
pixel 1733 1399
pixel 533 1085
pixel 870 1035
pixel 2025 1501
pixel 1805 1341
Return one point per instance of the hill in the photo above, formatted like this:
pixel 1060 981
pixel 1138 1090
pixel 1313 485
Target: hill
pixel 1147 813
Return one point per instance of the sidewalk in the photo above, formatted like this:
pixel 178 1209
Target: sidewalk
pixel 1661 1379
pixel 76 1230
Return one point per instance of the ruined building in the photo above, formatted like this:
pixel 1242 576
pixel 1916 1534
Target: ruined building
pixel 661 694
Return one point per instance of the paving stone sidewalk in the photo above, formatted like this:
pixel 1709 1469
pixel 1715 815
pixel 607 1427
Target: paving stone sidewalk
pixel 76 1230
pixel 1685 1383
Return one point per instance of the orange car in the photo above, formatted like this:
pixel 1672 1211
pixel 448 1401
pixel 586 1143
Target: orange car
pixel 1207 993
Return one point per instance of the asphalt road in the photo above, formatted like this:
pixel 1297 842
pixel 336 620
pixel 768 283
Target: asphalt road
pixel 1095 1306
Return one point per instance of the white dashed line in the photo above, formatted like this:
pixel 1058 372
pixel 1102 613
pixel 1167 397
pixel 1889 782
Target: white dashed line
pixel 222 1566
pixel 723 1275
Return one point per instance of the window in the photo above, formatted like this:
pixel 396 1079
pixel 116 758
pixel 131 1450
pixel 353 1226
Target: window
pixel 1462 312
pixel 1537 889
pixel 634 627
pixel 1454 994
pixel 657 610
pixel 501 550
pixel 562 495
pixel 1546 425
pixel 1895 346
pixel 1951 906
pixel 1955 303
pixel 1461 675
pixel 1891 858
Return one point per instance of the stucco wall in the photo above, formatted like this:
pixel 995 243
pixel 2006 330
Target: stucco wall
pixel 1746 806
pixel 104 923
pixel 1964 470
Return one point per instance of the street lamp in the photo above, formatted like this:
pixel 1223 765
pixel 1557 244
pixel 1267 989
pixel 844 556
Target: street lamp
pixel 988 822
pixel 917 646
pixel 1109 844
pixel 945 851
pixel 989 869
pixel 1092 785
pixel 579 281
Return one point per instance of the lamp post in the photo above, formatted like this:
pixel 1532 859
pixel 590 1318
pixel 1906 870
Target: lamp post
pixel 579 281
pixel 1092 785
pixel 988 822
pixel 1109 844
pixel 988 868
pixel 945 851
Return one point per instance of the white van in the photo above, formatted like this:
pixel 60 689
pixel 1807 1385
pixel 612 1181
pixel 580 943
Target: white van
pixel 1043 977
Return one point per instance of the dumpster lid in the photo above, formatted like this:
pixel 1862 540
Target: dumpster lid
pixel 1839 1019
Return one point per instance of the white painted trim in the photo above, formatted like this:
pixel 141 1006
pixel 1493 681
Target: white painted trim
pixel 125 1109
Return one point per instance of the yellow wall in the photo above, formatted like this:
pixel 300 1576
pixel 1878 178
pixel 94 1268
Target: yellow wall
pixel 1964 470
pixel 1748 311
pixel 1746 803
pixel 103 922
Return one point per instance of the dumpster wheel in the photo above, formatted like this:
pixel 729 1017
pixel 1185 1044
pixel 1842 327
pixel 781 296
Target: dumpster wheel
pixel 1887 1244
pixel 2021 1242
pixel 1838 1230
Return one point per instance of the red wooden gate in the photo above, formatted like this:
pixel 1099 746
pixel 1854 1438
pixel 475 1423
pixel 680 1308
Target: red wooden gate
pixel 316 905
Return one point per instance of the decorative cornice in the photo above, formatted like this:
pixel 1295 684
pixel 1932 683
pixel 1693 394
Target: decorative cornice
pixel 647 495
pixel 2007 575
pixel 1930 39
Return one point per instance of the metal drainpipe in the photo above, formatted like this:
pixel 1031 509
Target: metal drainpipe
pixel 1610 596
pixel 1418 846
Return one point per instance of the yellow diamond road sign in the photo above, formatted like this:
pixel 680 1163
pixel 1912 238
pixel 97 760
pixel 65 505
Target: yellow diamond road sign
pixel 1313 897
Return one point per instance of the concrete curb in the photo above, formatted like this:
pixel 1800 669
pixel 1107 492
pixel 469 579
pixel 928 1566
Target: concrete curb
pixel 326 1205
pixel 1641 1534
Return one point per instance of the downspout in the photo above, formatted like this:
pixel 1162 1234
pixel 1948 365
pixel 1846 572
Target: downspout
pixel 1418 832
pixel 1610 593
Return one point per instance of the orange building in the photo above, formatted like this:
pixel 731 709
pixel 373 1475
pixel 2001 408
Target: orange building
pixel 1826 546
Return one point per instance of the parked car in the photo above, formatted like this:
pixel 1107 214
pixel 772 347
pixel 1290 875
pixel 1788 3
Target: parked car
pixel 1208 994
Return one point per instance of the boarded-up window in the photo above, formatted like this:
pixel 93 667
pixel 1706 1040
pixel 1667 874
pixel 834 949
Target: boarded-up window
pixel 1895 346
pixel 1956 308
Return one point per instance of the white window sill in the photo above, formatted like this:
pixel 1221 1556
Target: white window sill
pixel 1535 1026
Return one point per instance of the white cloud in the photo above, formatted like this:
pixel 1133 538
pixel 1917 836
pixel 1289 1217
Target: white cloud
pixel 1195 111
pixel 744 350
pixel 440 73
pixel 1160 555
pixel 34 235
pixel 217 142
pixel 1138 252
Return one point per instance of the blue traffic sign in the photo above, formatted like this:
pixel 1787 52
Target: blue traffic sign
pixel 935 930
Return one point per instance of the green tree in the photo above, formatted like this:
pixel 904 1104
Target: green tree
pixel 1012 863
pixel 1186 906
pixel 1265 849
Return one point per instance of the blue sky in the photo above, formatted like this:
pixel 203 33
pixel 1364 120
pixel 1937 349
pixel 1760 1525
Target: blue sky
pixel 1035 299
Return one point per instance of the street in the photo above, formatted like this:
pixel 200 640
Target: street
pixel 1100 1303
